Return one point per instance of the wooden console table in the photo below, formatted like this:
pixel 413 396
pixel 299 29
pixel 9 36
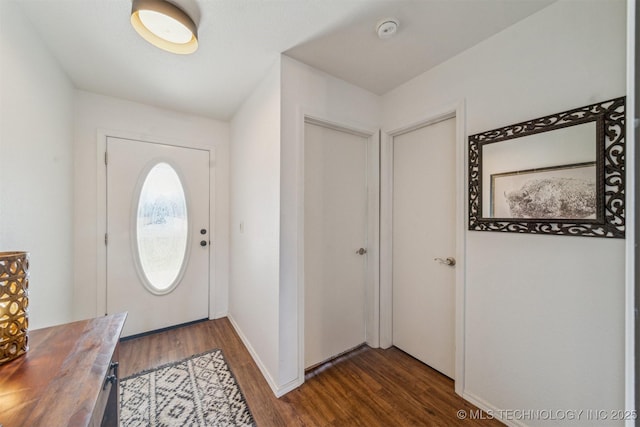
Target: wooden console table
pixel 67 378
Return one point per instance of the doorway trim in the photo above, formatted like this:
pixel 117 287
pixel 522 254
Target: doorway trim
pixel 101 210
pixel 372 295
pixel 457 111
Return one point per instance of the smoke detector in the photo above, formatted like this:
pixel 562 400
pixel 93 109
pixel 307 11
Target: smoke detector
pixel 387 28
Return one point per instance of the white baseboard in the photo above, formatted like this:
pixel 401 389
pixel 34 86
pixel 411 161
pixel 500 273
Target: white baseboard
pixel 277 390
pixel 219 315
pixel 491 410
pixel 290 386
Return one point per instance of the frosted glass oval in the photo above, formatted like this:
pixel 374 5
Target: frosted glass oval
pixel 162 228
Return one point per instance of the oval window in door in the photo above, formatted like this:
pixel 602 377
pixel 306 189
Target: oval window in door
pixel 161 229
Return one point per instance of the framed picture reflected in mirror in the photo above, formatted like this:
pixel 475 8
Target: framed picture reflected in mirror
pixel 561 174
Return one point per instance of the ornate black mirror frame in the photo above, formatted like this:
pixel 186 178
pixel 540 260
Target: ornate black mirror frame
pixel 609 118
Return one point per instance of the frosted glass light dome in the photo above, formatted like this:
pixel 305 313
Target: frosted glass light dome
pixel 165 27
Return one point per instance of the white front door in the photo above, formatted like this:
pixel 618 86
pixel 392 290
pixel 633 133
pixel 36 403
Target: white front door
pixel 424 218
pixel 157 234
pixel 335 228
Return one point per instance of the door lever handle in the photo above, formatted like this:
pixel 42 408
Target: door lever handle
pixel 361 251
pixel 449 261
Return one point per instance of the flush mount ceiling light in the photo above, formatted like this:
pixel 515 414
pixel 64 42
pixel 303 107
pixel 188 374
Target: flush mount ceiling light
pixel 164 25
pixel 387 28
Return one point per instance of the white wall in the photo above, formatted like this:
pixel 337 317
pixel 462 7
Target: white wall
pixel 544 324
pixel 266 134
pixel 306 90
pixel 255 204
pixel 36 169
pixel 632 373
pixel 94 113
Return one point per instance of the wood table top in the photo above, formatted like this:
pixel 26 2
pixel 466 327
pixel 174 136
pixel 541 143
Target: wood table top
pixel 58 380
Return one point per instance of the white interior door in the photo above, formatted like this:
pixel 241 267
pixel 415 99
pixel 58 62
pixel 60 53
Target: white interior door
pixel 157 234
pixel 424 216
pixel 335 228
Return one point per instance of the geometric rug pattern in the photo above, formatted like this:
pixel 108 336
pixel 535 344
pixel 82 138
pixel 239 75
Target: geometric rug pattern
pixel 199 391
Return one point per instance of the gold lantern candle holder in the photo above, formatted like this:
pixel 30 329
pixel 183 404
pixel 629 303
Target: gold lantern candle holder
pixel 14 302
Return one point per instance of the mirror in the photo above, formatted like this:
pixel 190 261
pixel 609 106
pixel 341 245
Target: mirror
pixel 560 174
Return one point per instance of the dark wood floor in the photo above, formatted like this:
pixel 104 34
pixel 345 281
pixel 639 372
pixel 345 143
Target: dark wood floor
pixel 368 387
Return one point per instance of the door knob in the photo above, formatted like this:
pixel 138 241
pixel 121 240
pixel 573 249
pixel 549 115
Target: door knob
pixel 361 251
pixel 449 261
pixel 203 243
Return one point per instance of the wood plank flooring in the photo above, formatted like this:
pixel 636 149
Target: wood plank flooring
pixel 367 387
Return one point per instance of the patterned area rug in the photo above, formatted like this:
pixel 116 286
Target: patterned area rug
pixel 198 391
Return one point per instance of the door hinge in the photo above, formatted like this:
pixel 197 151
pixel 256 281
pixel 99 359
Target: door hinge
pixel 105 158
pixel 106 239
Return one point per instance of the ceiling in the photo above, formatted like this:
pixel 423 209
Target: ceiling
pixel 240 39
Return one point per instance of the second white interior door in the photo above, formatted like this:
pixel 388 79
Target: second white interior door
pixel 424 217
pixel 335 228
